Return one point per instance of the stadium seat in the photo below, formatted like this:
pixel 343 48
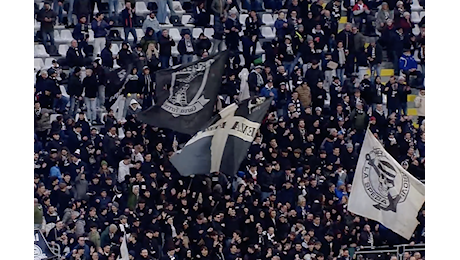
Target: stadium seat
pixel 416 30
pixel 121 6
pixel 57 36
pixel 140 33
pixel 267 19
pixel 175 35
pixel 211 22
pixel 53 117
pixel 167 24
pixel 48 63
pixel 178 8
pixel 131 38
pixel 422 14
pixel 40 51
pixel 174 51
pixel 243 19
pixel 38 64
pixel 66 36
pixel 275 16
pixel 209 32
pixel 415 18
pixel 36 25
pixel 415 6
pixel 115 49
pixel 185 20
pixel 259 49
pixel 268 33
pixel 196 32
pixel 63 49
pixel 141 9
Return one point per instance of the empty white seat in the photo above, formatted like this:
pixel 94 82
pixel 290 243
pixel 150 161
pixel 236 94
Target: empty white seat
pixel 212 20
pixel 48 63
pixel 416 30
pixel 57 36
pixel 36 25
pixel 267 19
pixel 174 51
pixel 209 32
pixel 422 14
pixel 96 10
pixel 415 18
pixel 268 33
pixel 178 8
pixel 186 19
pixel 40 51
pixel 275 16
pixel 196 32
pixel 259 49
pixel 167 24
pixel 38 64
pixel 63 49
pixel 175 35
pixel 140 33
pixel 53 117
pixel 141 9
pixel 415 6
pixel 243 18
pixel 114 49
pixel 66 36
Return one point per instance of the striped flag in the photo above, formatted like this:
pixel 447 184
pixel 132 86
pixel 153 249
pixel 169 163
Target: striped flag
pixel 223 144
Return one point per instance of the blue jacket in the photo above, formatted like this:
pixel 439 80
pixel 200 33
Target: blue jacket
pixel 407 62
pixel 100 30
pixel 265 92
pixel 56 172
pixel 280 30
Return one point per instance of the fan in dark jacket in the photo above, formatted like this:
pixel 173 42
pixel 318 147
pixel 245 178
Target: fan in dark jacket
pixel 249 49
pixel 75 91
pixel 202 44
pixel 201 17
pixel 186 47
pixel 74 57
pixel 107 56
pixel 374 55
pixel 232 28
pixel 314 74
pixel 165 43
pixel 253 24
pixel 125 56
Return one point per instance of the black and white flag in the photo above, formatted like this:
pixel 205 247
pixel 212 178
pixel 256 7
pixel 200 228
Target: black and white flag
pixel 115 85
pixel 186 95
pixel 384 191
pixel 223 144
pixel 42 250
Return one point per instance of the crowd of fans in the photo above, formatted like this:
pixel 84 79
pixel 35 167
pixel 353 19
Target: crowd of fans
pixel 99 177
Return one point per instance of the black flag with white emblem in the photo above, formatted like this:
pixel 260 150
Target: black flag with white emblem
pixel 186 95
pixel 224 143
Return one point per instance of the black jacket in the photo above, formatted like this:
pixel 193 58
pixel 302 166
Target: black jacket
pixel 182 48
pixel 46 26
pixel 377 53
pixel 165 45
pixel 91 86
pixel 75 87
pixel 74 57
pixel 107 58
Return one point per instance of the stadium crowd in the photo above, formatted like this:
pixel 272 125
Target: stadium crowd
pixel 99 176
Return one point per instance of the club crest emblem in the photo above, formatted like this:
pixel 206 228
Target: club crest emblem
pixel 384 184
pixel 254 104
pixel 38 253
pixel 184 100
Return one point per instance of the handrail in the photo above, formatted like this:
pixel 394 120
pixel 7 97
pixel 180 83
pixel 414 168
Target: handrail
pixel 398 250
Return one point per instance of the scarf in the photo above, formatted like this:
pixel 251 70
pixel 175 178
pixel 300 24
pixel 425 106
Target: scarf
pixel 188 45
pixel 260 80
pixel 341 56
pixel 289 50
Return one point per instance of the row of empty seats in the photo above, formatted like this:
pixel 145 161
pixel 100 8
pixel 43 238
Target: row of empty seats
pixel 416 17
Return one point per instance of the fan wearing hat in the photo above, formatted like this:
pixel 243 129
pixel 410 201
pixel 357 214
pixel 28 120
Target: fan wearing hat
pixel 186 46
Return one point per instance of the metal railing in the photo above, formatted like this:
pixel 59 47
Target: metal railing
pixel 397 250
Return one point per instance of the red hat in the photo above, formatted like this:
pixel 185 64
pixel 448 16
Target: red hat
pixel 372 118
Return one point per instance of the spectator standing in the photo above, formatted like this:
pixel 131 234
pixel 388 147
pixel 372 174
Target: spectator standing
pixel 42 121
pixel 47 18
pixel 100 27
pixel 107 56
pixel 128 15
pixel 360 13
pixel 375 56
pixel 232 29
pixel 162 11
pixel 58 8
pixel 383 15
pixel 165 42
pixel 113 8
pixel 186 47
pixel 147 88
pixel 83 8
pixel 75 91
pixel 125 56
pixel 90 86
pixel 218 37
pixel 281 25
pixel 151 21
pixel 74 57
pixel 203 44
pixel 201 17
pixel 253 24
